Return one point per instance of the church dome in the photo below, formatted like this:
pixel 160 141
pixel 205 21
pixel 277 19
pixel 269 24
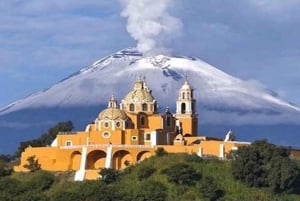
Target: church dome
pixel 140 94
pixel 112 114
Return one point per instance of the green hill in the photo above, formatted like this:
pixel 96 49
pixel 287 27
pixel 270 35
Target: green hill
pixel 172 177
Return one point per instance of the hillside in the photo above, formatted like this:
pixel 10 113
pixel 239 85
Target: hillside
pixel 148 180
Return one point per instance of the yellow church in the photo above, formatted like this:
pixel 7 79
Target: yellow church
pixel 127 133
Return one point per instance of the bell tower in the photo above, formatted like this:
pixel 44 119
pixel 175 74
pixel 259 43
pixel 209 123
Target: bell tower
pixel 185 111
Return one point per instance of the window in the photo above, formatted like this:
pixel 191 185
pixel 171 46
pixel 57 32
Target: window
pixel 145 107
pixel 68 143
pixel 106 124
pixel 168 121
pixel 183 95
pixel 118 124
pixel 147 137
pixel 131 107
pixel 134 138
pixel 106 134
pixel 142 120
pixel 183 108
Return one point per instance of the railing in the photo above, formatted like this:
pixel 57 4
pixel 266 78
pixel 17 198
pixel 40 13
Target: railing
pixel 105 146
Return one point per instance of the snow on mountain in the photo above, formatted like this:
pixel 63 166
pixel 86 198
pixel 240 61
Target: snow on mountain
pixel 221 98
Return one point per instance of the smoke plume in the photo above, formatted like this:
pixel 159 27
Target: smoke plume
pixel 150 24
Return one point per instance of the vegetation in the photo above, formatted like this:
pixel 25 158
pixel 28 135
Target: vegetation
pixel 46 138
pixel 32 164
pixel 168 177
pixel 266 165
pixel 260 172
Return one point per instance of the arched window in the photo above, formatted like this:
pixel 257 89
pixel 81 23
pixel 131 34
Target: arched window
pixel 131 107
pixel 188 95
pixel 142 120
pixel 183 95
pixel 183 108
pixel 168 121
pixel 145 107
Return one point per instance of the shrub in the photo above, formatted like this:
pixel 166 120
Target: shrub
pixel 32 164
pixel 160 151
pixel 182 174
pixel 145 171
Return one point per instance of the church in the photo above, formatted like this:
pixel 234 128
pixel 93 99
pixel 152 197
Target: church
pixel 126 133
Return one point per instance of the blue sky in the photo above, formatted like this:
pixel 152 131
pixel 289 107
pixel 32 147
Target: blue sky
pixel 41 42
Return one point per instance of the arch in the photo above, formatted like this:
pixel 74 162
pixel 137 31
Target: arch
pixel 183 95
pixel 143 155
pixel 75 160
pixel 131 107
pixel 142 120
pixel 183 108
pixel 95 159
pixel 144 107
pixel 121 159
pixel 168 121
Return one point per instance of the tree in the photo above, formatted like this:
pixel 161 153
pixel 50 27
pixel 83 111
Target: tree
pixel 46 138
pixel 32 164
pixel 266 165
pixel 109 175
pixel 182 174
pixel 160 151
pixel 5 168
pixel 145 171
pixel 151 191
pixel 209 189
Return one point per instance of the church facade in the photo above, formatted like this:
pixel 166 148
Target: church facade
pixel 127 133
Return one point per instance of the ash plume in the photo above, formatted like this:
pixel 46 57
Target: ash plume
pixel 150 24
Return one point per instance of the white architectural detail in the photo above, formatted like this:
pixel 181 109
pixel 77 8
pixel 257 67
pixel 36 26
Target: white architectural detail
pixel 200 152
pixel 108 160
pixel 80 174
pixel 54 143
pixel 221 153
pixel 153 138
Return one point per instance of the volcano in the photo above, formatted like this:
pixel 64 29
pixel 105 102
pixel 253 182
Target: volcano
pixel 223 102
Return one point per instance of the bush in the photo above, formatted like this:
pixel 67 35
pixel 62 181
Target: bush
pixel 151 191
pixel 182 174
pixel 266 165
pixel 145 171
pixel 109 175
pixel 32 164
pixel 160 151
pixel 208 189
pixel 40 181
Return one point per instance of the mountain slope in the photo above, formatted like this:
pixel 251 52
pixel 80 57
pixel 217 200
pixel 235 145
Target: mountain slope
pixel 221 99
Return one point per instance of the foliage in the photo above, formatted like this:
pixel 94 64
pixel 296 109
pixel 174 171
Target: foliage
pixel 41 181
pixel 145 171
pixel 5 168
pixel 151 191
pixel 193 158
pixel 160 151
pixel 208 188
pixel 32 164
pixel 46 138
pixel 266 165
pixel 109 175
pixel 182 174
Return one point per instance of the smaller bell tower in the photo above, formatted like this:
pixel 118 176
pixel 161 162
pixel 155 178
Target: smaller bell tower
pixel 185 110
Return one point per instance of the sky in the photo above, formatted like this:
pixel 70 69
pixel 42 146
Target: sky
pixel 42 42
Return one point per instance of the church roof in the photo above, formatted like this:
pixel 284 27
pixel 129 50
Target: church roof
pixel 141 93
pixel 112 114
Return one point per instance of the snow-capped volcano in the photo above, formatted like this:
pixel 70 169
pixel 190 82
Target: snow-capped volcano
pixel 223 101
pixel 217 93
